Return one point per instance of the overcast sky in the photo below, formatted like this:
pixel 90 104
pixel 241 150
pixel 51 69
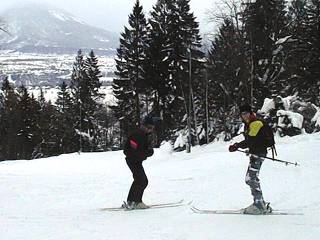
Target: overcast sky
pixel 113 14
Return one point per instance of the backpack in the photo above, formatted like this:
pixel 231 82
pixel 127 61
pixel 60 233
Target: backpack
pixel 269 141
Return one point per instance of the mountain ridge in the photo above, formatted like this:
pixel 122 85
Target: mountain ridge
pixel 41 28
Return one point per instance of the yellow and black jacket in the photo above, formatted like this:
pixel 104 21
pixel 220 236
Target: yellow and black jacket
pixel 255 136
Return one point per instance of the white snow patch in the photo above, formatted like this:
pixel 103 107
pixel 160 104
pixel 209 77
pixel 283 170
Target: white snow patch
pixel 101 39
pixel 59 15
pixel 283 40
pixel 287 101
pixel 316 117
pixel 267 106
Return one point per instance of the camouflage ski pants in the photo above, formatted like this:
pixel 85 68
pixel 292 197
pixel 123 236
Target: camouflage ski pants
pixel 252 178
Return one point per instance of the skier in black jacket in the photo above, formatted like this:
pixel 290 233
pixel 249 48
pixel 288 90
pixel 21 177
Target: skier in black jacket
pixel 137 149
pixel 255 136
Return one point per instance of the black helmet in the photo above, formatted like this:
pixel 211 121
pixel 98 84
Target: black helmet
pixel 245 108
pixel 149 120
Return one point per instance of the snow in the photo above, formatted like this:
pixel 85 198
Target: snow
pixel 101 39
pixel 181 140
pixel 267 106
pixel 64 17
pixel 287 101
pixel 316 117
pixel 59 15
pixel 10 79
pixel 283 40
pixel 59 198
pixel 51 94
pixel 296 119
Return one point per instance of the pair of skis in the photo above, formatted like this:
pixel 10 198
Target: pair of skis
pixel 241 211
pixel 151 206
pixel 200 211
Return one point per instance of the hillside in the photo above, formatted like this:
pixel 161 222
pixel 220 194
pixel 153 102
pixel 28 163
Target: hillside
pixel 59 198
pixel 41 28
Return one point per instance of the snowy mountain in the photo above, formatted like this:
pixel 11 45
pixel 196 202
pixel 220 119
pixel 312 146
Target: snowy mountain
pixel 60 198
pixel 40 28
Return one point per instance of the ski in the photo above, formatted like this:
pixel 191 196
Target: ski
pixel 239 211
pixel 151 206
pixel 166 204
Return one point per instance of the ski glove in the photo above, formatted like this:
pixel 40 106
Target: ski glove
pixel 233 147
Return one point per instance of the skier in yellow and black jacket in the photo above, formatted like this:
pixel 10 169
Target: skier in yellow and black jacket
pixel 256 141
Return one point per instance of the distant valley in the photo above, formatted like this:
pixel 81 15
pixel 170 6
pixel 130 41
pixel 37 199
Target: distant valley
pixel 34 69
pixel 48 71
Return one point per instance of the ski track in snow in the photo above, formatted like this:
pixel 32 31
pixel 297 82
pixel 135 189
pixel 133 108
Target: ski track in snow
pixel 59 198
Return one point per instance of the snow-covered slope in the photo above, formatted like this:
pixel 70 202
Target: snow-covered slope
pixel 59 198
pixel 41 28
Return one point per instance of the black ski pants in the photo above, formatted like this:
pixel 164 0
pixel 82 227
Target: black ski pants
pixel 140 181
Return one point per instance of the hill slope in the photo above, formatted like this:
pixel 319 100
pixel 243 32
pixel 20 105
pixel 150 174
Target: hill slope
pixel 59 198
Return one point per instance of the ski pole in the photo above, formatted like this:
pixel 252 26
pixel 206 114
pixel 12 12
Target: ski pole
pixel 273 159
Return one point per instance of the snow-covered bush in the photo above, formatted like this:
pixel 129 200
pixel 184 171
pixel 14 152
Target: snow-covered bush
pixel 181 141
pixel 308 111
pixel 316 119
pixel 289 123
pixel 291 116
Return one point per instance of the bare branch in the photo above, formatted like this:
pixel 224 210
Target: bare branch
pixel 4 30
pixel 224 9
pixel 2 22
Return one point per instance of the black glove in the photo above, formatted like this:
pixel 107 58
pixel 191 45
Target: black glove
pixel 233 147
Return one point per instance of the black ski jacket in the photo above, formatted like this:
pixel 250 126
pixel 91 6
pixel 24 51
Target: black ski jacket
pixel 254 137
pixel 137 147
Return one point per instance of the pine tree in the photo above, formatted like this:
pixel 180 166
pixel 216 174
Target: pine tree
pixel 195 61
pixel 41 99
pixel 28 130
pixel 108 130
pixel 157 68
pixel 93 74
pixel 9 124
pixel 265 25
pixel 175 34
pixel 48 128
pixel 298 49
pixel 304 60
pixel 78 89
pixel 123 91
pixel 66 120
pixel 85 86
pixel 64 100
pixel 228 74
pixel 91 105
pixel 313 66
pixel 2 128
pixel 130 83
